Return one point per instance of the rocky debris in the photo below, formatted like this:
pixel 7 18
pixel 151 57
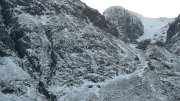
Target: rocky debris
pixel 144 44
pixel 126 22
pixel 150 83
pixel 11 89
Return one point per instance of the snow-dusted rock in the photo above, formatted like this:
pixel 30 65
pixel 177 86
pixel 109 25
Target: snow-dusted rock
pixel 60 43
pixel 173 30
pixel 173 36
pixel 156 79
pixel 126 21
pixel 62 50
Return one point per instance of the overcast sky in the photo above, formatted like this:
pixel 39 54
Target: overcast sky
pixel 148 8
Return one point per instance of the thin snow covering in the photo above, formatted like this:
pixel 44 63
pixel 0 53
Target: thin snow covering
pixel 91 91
pixel 142 84
pixel 126 21
pixel 120 10
pixel 66 48
pixel 163 54
pixel 31 95
pixel 173 36
pixel 84 93
pixel 11 97
pixel 175 47
pixel 155 28
pixel 65 55
pixel 9 70
pixel 139 85
pixel 149 85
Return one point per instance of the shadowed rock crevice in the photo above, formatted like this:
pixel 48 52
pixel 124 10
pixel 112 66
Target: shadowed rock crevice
pixel 173 36
pixel 99 20
pixel 42 90
pixel 174 29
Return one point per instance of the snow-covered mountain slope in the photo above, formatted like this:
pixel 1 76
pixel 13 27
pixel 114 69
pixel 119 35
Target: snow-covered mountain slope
pixel 156 79
pixel 63 50
pixel 155 28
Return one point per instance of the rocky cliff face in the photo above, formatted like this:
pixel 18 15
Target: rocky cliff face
pixel 173 30
pixel 62 50
pixel 173 36
pixel 126 22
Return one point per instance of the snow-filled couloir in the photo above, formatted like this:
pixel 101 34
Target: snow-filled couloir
pixel 155 28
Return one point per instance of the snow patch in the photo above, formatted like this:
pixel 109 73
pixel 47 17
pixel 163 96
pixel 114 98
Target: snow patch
pixel 30 20
pixel 10 71
pixel 88 90
pixel 155 28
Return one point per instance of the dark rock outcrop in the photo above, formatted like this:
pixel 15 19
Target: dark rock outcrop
pixel 6 43
pixel 174 29
pixel 42 90
pixel 99 20
pixel 173 36
pixel 126 22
